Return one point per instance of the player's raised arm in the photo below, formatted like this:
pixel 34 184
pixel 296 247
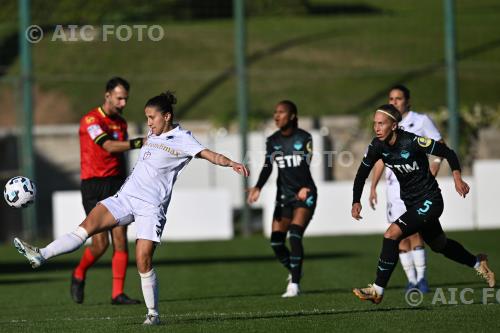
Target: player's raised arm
pixel 219 159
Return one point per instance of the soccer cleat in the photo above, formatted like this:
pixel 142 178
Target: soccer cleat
pixel 484 271
pixel 410 286
pixel 123 299
pixel 292 290
pixel 152 320
pixel 423 286
pixel 31 253
pixel 76 289
pixel 368 294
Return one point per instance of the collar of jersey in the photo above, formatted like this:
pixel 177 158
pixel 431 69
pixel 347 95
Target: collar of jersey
pixel 172 131
pixel 101 111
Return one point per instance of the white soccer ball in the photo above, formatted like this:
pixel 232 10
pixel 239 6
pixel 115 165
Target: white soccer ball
pixel 19 192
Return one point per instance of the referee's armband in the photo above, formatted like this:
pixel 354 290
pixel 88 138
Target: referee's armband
pixel 135 143
pixel 102 138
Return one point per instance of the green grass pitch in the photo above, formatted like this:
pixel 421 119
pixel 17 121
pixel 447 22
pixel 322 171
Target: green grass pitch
pixel 235 286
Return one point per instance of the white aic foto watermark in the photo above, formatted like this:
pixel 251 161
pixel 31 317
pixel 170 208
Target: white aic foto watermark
pixel 454 296
pixel 103 33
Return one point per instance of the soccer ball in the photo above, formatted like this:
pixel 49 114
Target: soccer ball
pixel 19 192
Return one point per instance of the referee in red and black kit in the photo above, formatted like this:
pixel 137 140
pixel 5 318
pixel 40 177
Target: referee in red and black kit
pixel 103 139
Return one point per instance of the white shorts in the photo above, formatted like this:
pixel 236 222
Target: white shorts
pixel 149 219
pixel 395 206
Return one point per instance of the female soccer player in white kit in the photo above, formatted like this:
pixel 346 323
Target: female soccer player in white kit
pixel 411 249
pixel 144 198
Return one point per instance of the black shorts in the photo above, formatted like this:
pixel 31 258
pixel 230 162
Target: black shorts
pixel 422 218
pixel 284 208
pixel 97 189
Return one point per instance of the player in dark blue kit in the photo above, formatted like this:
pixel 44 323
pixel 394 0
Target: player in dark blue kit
pixel 291 149
pixel 406 155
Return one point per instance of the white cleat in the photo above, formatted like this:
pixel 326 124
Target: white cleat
pixel 152 319
pixel 31 253
pixel 292 290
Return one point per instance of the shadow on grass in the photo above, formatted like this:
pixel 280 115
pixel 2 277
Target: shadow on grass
pixel 29 281
pixel 292 314
pixel 22 267
pixel 326 291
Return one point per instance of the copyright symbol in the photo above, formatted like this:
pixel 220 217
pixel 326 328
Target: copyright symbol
pixel 34 34
pixel 414 297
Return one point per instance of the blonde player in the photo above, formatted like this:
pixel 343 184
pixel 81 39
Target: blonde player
pixel 411 249
pixel 144 198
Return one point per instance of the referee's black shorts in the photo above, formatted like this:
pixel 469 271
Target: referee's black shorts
pixel 97 189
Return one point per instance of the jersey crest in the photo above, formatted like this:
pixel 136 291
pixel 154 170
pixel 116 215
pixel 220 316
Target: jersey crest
pixel 423 141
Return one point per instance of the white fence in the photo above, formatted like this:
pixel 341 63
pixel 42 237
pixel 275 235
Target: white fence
pixel 203 212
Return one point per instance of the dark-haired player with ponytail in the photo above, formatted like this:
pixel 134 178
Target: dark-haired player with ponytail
pixel 144 198
pixel 103 140
pixel 406 155
pixel 291 149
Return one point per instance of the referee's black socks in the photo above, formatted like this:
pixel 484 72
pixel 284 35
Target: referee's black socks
pixel 387 261
pixel 297 253
pixel 278 239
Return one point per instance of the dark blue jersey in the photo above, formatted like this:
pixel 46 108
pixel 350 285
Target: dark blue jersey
pixel 292 155
pixel 407 158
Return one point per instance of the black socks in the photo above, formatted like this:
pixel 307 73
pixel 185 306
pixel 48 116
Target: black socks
pixel 387 261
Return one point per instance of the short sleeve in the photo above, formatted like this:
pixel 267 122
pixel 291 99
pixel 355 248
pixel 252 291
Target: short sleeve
pixel 91 125
pixel 430 129
pixel 191 146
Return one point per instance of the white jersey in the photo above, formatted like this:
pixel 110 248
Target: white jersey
pixel 419 124
pixel 161 160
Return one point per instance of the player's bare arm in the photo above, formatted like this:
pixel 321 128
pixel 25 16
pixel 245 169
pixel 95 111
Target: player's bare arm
pixel 219 159
pixel 460 185
pixel 253 194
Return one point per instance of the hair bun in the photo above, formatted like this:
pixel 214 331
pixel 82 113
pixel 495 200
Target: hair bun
pixel 169 97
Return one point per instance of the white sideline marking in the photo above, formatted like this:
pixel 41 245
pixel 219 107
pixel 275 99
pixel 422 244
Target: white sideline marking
pixel 199 315
pixel 207 315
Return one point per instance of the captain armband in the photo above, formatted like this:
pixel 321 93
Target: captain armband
pixel 135 143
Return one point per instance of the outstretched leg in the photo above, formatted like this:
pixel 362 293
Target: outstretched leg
pixel 451 249
pixel 99 219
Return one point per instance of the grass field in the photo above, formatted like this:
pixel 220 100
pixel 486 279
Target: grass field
pixel 235 286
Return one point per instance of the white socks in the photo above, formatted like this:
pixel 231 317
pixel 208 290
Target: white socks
pixel 419 261
pixel 406 259
pixel 379 290
pixel 149 286
pixel 65 244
